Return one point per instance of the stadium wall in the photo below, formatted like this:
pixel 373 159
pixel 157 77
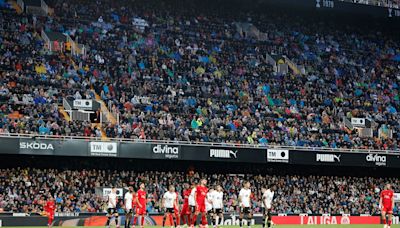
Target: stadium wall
pixel 204 153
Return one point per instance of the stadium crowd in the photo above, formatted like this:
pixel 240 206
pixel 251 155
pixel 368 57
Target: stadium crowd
pixel 33 83
pixel 22 190
pixel 188 76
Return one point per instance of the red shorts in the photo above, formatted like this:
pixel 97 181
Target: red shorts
pixel 388 210
pixel 185 209
pixel 201 207
pixel 176 210
pixel 140 210
pixel 50 214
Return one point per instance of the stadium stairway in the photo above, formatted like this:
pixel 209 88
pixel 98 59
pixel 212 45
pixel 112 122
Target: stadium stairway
pixel 64 113
pixel 94 125
pixel 292 66
pixel 253 32
pixel 110 117
pixel 15 6
pixel 103 133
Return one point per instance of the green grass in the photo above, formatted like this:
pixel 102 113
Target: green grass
pixel 256 226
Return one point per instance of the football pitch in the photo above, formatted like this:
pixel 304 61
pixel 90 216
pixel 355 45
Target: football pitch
pixel 255 226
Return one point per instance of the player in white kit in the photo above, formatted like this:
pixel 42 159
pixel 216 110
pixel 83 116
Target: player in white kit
pixel 245 204
pixel 169 204
pixel 218 205
pixel 209 206
pixel 192 203
pixel 267 199
pixel 128 200
pixel 112 200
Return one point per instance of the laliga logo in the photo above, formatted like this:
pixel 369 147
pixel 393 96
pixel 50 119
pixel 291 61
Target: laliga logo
pixel 165 149
pixel 233 220
pixel 327 219
pixel 345 220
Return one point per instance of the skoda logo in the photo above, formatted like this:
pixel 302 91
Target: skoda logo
pixel 110 147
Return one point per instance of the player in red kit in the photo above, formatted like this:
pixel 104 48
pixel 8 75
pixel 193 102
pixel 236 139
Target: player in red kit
pixel 185 213
pixel 141 201
pixel 50 209
pixel 134 201
pixel 176 210
pixel 387 204
pixel 200 198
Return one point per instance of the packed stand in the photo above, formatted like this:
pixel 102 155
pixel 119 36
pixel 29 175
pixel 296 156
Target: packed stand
pixel 196 79
pixel 33 83
pixel 22 190
pixel 174 76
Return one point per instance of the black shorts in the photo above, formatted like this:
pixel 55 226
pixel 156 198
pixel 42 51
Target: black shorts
pixel 112 211
pixel 193 209
pixel 245 210
pixel 218 210
pixel 266 211
pixel 170 210
pixel 210 212
pixel 129 211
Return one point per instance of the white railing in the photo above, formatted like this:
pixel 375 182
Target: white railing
pixel 365 132
pixel 292 65
pixel 44 7
pixel 66 105
pixel 21 4
pixel 347 123
pixel 44 36
pixel 270 60
pixel 236 145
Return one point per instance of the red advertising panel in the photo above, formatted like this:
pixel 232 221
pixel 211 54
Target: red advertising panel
pixel 156 220
pixel 314 220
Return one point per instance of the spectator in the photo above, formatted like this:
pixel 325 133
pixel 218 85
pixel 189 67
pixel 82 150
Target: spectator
pixel 74 190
